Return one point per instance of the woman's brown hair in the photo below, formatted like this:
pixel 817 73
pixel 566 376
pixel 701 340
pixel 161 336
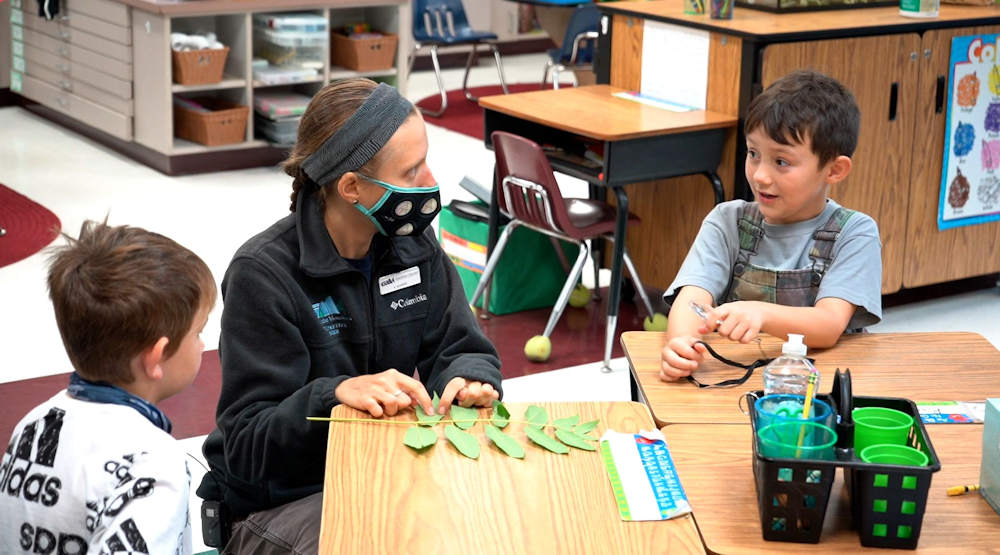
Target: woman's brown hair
pixel 329 109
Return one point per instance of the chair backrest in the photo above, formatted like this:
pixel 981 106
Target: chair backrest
pixel 585 18
pixel 527 187
pixel 437 19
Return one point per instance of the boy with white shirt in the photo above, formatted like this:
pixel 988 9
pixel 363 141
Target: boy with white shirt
pixel 94 469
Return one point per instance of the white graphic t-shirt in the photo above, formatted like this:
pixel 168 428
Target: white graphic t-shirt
pixel 84 477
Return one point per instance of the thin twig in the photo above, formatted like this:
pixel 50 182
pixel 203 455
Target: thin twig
pixel 444 421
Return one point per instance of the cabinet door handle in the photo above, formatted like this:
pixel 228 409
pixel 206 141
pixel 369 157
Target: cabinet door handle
pixel 893 98
pixel 939 94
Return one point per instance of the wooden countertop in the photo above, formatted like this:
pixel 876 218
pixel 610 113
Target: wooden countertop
pixel 758 24
pixel 592 111
pixel 213 7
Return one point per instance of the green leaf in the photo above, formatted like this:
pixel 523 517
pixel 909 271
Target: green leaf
pixel 536 415
pixel 586 427
pixel 538 436
pixel 464 417
pixel 506 443
pixel 501 416
pixel 425 419
pixel 567 422
pixel 463 441
pixel 574 440
pixel 419 438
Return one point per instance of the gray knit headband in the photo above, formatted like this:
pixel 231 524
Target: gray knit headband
pixel 361 136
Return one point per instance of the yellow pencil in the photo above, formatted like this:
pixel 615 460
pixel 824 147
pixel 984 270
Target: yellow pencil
pixel 806 406
pixel 959 490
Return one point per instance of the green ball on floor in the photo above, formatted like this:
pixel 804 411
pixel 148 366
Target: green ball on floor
pixel 580 296
pixel 538 348
pixel 657 323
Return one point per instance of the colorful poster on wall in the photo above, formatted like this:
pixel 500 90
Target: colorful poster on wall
pixel 970 174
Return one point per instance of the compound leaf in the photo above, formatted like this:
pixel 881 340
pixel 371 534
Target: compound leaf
pixel 501 416
pixel 464 417
pixel 536 416
pixel 586 427
pixel 538 436
pixel 506 443
pixel 463 441
pixel 574 440
pixel 419 438
pixel 425 419
pixel 567 423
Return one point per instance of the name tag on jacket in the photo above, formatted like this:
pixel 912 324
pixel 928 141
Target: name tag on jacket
pixel 399 280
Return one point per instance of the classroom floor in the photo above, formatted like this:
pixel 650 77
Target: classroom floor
pixel 214 213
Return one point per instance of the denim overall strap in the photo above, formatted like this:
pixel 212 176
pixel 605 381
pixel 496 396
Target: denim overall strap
pixel 750 282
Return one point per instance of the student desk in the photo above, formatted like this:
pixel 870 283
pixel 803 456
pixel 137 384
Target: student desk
pixel 955 366
pixel 714 465
pixel 639 142
pixel 382 497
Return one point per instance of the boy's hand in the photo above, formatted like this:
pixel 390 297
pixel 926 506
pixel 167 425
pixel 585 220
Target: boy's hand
pixel 738 321
pixel 385 393
pixel 468 394
pixel 680 357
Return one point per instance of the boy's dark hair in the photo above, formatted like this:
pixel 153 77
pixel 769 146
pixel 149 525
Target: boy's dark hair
pixel 117 290
pixel 808 104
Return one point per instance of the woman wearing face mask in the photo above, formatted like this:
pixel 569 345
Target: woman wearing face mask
pixel 341 301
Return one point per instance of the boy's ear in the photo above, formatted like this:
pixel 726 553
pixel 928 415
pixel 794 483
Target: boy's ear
pixel 838 169
pixel 349 187
pixel 152 359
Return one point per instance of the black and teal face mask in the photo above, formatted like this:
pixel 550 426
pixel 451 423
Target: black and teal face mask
pixel 402 210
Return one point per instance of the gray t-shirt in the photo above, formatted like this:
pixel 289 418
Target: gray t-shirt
pixel 854 274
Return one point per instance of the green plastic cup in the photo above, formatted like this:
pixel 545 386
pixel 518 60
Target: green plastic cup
pixel 880 426
pixel 894 454
pixel 797 440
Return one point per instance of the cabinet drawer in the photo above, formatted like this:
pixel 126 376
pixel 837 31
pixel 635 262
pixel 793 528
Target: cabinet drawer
pixel 79 55
pixel 77 107
pixel 110 31
pixel 112 12
pixel 79 88
pixel 94 43
pixel 58 27
pixel 77 72
pixel 45 42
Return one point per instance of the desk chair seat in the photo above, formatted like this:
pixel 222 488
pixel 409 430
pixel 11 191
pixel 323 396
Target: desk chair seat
pixel 578 46
pixel 530 196
pixel 438 23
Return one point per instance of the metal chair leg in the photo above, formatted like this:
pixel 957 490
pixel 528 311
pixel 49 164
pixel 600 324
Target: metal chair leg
pixel 440 82
pixel 545 73
pixel 473 55
pixel 496 58
pixel 596 293
pixel 567 289
pixel 559 253
pixel 491 264
pixel 638 284
pixel 555 76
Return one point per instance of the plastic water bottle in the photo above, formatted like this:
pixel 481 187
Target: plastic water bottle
pixel 919 8
pixel 790 372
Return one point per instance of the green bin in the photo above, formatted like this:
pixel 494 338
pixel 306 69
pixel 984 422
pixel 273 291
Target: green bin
pixel 529 274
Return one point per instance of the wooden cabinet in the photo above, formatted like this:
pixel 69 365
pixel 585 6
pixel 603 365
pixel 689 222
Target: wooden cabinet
pixel 886 93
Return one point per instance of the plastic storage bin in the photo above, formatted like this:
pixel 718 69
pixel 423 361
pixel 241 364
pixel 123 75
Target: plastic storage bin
pixel 280 131
pixel 222 123
pixel 305 49
pixel 363 54
pixel 199 67
pixel 291 22
pixel 887 501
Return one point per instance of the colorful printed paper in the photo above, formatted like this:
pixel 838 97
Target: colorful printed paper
pixel 642 474
pixel 970 180
pixel 951 412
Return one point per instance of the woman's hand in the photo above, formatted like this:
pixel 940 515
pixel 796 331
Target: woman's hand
pixel 468 394
pixel 680 357
pixel 385 393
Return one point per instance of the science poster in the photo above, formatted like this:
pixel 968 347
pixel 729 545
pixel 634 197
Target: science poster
pixel 970 175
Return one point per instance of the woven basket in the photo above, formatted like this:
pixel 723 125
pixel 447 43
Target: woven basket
pixel 199 67
pixel 225 124
pixel 366 54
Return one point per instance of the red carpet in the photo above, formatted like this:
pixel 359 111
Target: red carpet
pixel 29 226
pixel 463 116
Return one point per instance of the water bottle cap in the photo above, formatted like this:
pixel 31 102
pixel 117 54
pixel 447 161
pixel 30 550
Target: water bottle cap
pixel 794 346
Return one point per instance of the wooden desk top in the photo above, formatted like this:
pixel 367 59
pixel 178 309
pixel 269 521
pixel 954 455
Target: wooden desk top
pixel 758 24
pixel 210 7
pixel 714 465
pixel 382 497
pixel 591 111
pixel 919 366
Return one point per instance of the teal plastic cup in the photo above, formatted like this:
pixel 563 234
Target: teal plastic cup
pixel 783 407
pixel 797 439
pixel 894 454
pixel 880 426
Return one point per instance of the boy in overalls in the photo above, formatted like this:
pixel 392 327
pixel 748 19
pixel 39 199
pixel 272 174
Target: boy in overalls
pixel 792 261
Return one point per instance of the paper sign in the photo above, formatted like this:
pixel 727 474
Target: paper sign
pixel 952 412
pixel 16 17
pixel 674 64
pixel 642 474
pixel 15 81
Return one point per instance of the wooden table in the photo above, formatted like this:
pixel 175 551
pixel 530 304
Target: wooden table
pixel 956 366
pixel 714 464
pixel 640 143
pixel 382 497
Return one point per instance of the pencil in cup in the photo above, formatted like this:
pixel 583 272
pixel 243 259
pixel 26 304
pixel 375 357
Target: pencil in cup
pixel 722 9
pixel 694 7
pixel 806 405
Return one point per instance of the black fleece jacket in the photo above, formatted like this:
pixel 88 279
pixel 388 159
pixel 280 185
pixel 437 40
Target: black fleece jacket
pixel 297 321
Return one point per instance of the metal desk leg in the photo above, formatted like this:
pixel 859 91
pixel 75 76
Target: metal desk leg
pixel 615 292
pixel 493 234
pixel 716 182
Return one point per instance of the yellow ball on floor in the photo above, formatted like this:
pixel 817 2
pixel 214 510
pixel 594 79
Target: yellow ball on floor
pixel 657 323
pixel 580 296
pixel 538 348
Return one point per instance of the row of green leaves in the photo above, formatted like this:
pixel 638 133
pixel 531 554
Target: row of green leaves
pixel 569 432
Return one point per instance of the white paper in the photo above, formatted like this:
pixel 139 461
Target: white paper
pixel 675 64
